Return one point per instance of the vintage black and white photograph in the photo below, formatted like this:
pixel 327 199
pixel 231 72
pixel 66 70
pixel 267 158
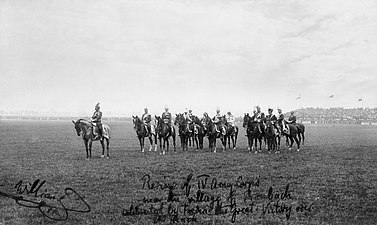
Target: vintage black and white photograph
pixel 188 112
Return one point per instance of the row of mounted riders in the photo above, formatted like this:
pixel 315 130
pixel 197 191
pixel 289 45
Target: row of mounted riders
pixel 195 129
pixel 258 127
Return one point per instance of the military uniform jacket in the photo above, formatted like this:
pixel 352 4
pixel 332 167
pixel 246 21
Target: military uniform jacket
pixel 258 117
pixel 271 118
pixel 281 117
pixel 146 118
pixel 97 116
pixel 217 118
pixel 230 119
pixel 292 119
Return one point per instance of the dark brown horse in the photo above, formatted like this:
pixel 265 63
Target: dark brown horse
pixel 199 132
pixel 212 134
pixel 292 135
pixel 253 132
pixel 183 130
pixel 164 132
pixel 272 137
pixel 142 132
pixel 85 129
pixel 301 132
pixel 231 133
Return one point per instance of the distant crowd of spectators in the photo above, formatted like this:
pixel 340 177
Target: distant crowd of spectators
pixel 355 114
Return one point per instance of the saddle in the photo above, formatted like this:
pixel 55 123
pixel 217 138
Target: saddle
pixel 95 129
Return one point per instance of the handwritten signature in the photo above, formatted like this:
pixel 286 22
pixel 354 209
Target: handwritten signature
pixel 70 201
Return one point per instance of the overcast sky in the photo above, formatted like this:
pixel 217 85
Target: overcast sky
pixel 199 54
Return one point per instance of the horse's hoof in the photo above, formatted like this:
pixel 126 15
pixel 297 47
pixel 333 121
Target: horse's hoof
pixel 87 159
pixel 289 149
pixel 298 149
pixel 102 156
pixel 107 157
pixel 234 148
pixel 256 152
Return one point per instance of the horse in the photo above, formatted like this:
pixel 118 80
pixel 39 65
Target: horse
pixel 199 133
pixel 291 134
pixel 212 134
pixel 142 132
pixel 231 133
pixel 86 129
pixel 301 132
pixel 273 139
pixel 164 132
pixel 183 130
pixel 253 132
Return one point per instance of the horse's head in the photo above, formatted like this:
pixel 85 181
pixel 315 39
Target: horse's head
pixel 223 119
pixel 207 122
pixel 246 120
pixel 136 121
pixel 159 121
pixel 178 119
pixel 77 127
pixel 195 119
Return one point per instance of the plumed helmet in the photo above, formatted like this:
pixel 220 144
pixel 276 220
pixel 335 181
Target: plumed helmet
pixel 97 106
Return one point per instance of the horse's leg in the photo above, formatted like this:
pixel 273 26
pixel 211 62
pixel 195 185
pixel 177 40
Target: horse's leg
pixel 107 147
pixel 298 143
pixel 90 148
pixel 299 136
pixel 155 142
pixel 292 141
pixel 235 139
pixel 151 143
pixel 286 140
pixel 196 142
pixel 173 136
pixel 256 144
pixel 303 138
pixel 278 143
pixel 86 148
pixel 141 144
pixel 103 147
pixel 214 144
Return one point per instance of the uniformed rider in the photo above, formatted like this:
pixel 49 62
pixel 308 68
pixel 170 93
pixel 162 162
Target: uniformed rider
pixel 147 118
pixel 259 118
pixel 217 119
pixel 97 120
pixel 166 118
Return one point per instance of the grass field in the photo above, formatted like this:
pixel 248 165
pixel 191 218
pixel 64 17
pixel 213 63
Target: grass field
pixel 332 180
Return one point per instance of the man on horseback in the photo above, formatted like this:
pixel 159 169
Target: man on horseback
pixel 281 121
pixel 259 118
pixel 292 118
pixel 217 119
pixel 147 118
pixel 188 119
pixel 272 118
pixel 97 120
pixel 166 117
pixel 230 119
